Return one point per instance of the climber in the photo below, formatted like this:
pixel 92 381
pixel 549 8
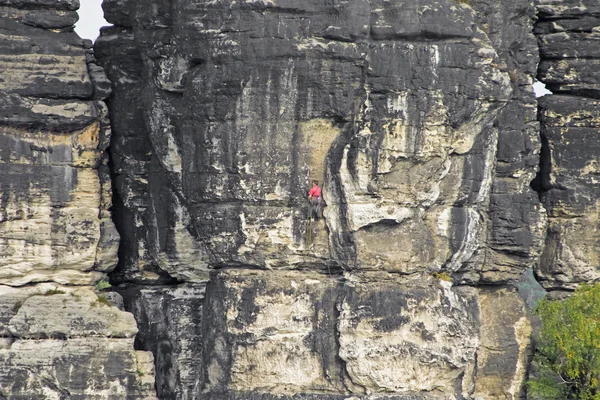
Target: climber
pixel 314 197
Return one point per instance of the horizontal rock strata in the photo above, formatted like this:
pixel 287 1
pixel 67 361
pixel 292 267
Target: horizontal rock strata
pixel 422 132
pixel 54 223
pixel 569 170
pixel 58 338
pixel 59 341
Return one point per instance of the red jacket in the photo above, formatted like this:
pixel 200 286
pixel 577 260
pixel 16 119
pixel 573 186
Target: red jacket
pixel 315 191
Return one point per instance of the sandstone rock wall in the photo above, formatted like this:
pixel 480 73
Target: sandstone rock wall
pixel 58 338
pixel 55 183
pixel 418 118
pixel 568 181
pixel 224 112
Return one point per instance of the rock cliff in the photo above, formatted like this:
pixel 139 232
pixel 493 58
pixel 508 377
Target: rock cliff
pixel 419 120
pixel 176 155
pixel 57 239
pixel 568 180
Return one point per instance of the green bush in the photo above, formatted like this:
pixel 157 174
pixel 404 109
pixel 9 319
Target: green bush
pixel 567 352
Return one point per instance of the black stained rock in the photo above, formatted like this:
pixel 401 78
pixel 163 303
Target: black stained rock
pixel 568 176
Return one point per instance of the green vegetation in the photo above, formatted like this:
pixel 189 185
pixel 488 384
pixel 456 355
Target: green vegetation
pixel 103 300
pixel 567 353
pixel 467 2
pixel 52 292
pixel 103 284
pixel 443 276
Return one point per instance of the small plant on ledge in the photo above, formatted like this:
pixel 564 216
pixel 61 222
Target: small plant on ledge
pixel 102 300
pixel 103 284
pixel 443 276
pixel 52 292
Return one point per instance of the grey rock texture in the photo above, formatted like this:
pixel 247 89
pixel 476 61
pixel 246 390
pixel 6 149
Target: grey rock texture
pixel 70 315
pixel 516 220
pixel 224 112
pixel 568 180
pixel 77 368
pixel 55 224
pixel 62 341
pixel 172 318
pixel 408 336
pixel 58 339
pixel 299 334
pixel 418 118
pixel 505 347
pixel 48 14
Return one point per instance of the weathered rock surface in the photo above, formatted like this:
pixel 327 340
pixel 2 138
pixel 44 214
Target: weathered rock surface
pixel 53 211
pixel 64 316
pixel 422 129
pixel 62 341
pixel 417 117
pixel 76 368
pixel 58 339
pixel 220 123
pixel 49 14
pixel 505 347
pixel 174 332
pixel 569 171
pixel 272 335
pixel 305 335
pixel 516 220
pixel 407 336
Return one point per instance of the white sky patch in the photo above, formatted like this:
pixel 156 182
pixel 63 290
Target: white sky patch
pixel 540 89
pixel 91 18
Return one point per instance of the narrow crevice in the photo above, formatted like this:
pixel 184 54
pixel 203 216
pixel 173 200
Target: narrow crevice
pixel 542 181
pixel 344 247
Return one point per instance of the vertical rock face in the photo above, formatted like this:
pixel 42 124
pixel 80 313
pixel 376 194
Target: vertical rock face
pixel 55 184
pixel 505 345
pixel 224 112
pixel 59 339
pixel 568 180
pixel 418 119
pixel 397 336
pixel 172 318
pixel 516 220
pixel 305 333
